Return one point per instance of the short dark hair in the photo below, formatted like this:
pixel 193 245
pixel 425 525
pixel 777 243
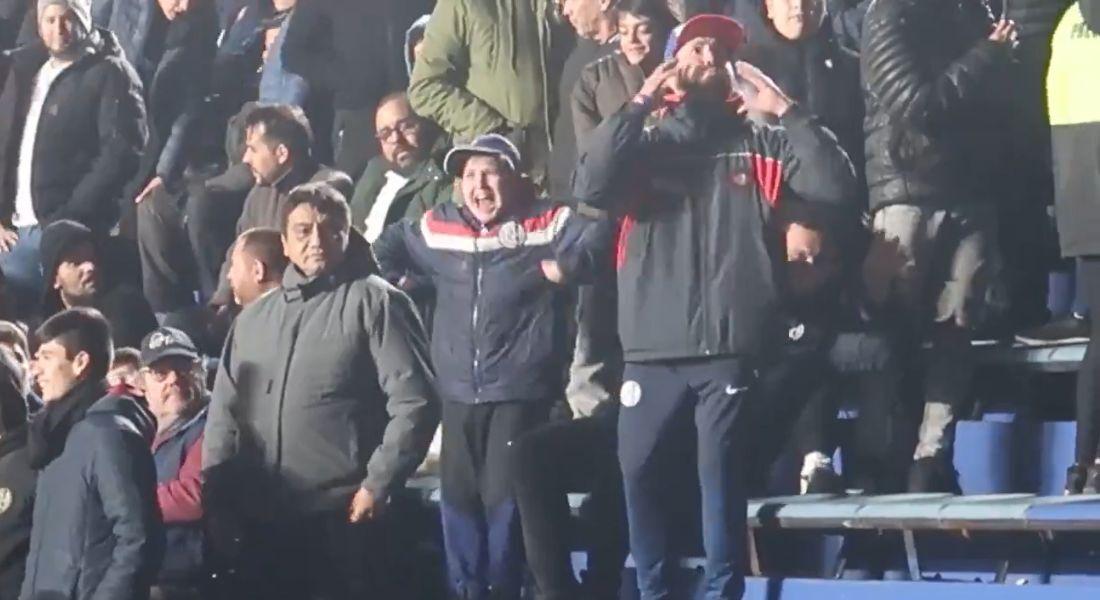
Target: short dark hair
pixel 14 335
pixel 656 11
pixel 324 198
pixel 127 357
pixel 81 330
pixel 266 246
pixel 283 124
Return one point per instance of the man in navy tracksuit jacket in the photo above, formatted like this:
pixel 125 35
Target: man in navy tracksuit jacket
pixel 498 342
pixel 697 256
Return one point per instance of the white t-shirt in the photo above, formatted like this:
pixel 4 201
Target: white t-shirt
pixel 24 203
pixel 376 218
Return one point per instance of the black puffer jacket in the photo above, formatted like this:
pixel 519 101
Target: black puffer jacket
pixel 817 72
pixel 930 76
pixel 97 533
pixel 89 136
pixel 696 246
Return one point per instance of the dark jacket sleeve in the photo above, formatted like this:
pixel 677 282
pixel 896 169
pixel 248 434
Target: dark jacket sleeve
pixel 399 346
pixel 124 477
pixel 894 76
pixel 586 113
pixel 195 66
pixel 396 256
pixel 605 152
pixel 809 159
pixel 581 245
pixel 122 134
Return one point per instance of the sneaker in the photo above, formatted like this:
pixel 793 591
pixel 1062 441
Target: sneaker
pixel 1075 479
pixel 1092 480
pixel 933 475
pixel 818 477
pixel 1070 330
pixel 822 481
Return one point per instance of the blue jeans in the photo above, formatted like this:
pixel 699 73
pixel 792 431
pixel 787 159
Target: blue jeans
pixel 22 268
pixel 715 392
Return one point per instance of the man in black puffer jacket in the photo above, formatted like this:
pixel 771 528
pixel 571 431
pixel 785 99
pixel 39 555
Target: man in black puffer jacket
pixel 66 149
pixel 933 137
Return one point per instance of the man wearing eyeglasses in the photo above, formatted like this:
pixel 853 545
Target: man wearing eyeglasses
pixel 405 181
pixel 173 379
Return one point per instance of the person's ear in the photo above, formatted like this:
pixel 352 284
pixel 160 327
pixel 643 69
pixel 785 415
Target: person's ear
pixel 259 271
pixel 81 362
pixel 282 154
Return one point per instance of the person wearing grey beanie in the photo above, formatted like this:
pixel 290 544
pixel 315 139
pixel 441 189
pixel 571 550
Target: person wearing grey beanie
pixel 72 124
pixel 81 10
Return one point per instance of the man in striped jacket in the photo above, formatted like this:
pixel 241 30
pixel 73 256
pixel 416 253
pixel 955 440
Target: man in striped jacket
pixel 498 264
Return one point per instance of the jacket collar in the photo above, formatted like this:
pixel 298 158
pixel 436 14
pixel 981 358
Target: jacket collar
pixel 181 426
pixel 299 173
pixel 358 263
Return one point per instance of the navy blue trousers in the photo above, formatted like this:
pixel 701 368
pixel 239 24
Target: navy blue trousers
pixel 656 398
pixel 481 528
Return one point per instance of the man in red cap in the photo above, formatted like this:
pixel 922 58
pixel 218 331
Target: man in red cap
pixel 699 193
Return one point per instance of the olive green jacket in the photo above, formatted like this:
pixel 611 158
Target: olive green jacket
pixel 489 65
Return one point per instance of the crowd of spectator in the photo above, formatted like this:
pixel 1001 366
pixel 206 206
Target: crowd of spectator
pixel 255 254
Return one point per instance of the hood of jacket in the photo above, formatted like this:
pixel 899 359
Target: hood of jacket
pixel 127 412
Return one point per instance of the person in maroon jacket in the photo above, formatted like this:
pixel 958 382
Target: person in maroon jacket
pixel 173 380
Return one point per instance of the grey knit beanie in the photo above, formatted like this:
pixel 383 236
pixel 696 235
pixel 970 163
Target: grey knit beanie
pixel 82 10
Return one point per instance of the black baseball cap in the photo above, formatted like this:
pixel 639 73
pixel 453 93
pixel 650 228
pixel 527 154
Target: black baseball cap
pixel 166 342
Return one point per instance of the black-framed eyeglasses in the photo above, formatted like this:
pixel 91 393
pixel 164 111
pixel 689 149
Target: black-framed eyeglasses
pixel 405 127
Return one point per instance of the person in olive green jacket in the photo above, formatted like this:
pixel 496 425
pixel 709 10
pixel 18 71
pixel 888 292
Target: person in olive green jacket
pixel 490 66
pixel 405 181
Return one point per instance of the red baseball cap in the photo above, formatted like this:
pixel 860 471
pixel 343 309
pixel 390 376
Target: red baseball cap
pixel 726 30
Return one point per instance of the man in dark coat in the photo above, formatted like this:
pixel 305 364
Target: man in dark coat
pixel 76 276
pixel 699 191
pixel 933 146
pixel 72 124
pixel 308 465
pixel 97 531
pixel 17 479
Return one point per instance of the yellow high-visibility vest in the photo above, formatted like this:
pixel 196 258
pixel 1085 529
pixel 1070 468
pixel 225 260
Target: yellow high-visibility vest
pixel 1073 82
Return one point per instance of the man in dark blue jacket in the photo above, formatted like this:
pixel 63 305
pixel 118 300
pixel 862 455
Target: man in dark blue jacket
pixel 498 342
pixel 698 293
pixel 96 532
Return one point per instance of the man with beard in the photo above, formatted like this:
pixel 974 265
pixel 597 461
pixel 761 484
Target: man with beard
pixel 278 151
pixel 406 181
pixel 174 381
pixel 698 293
pixel 72 124
pixel 74 275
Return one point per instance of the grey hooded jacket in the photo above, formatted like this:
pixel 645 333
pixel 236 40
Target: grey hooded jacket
pixel 324 387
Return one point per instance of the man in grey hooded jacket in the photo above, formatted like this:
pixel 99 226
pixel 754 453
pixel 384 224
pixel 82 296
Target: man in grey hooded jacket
pixel 323 405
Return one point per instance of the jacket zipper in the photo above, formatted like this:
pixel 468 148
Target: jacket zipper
pixel 473 328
